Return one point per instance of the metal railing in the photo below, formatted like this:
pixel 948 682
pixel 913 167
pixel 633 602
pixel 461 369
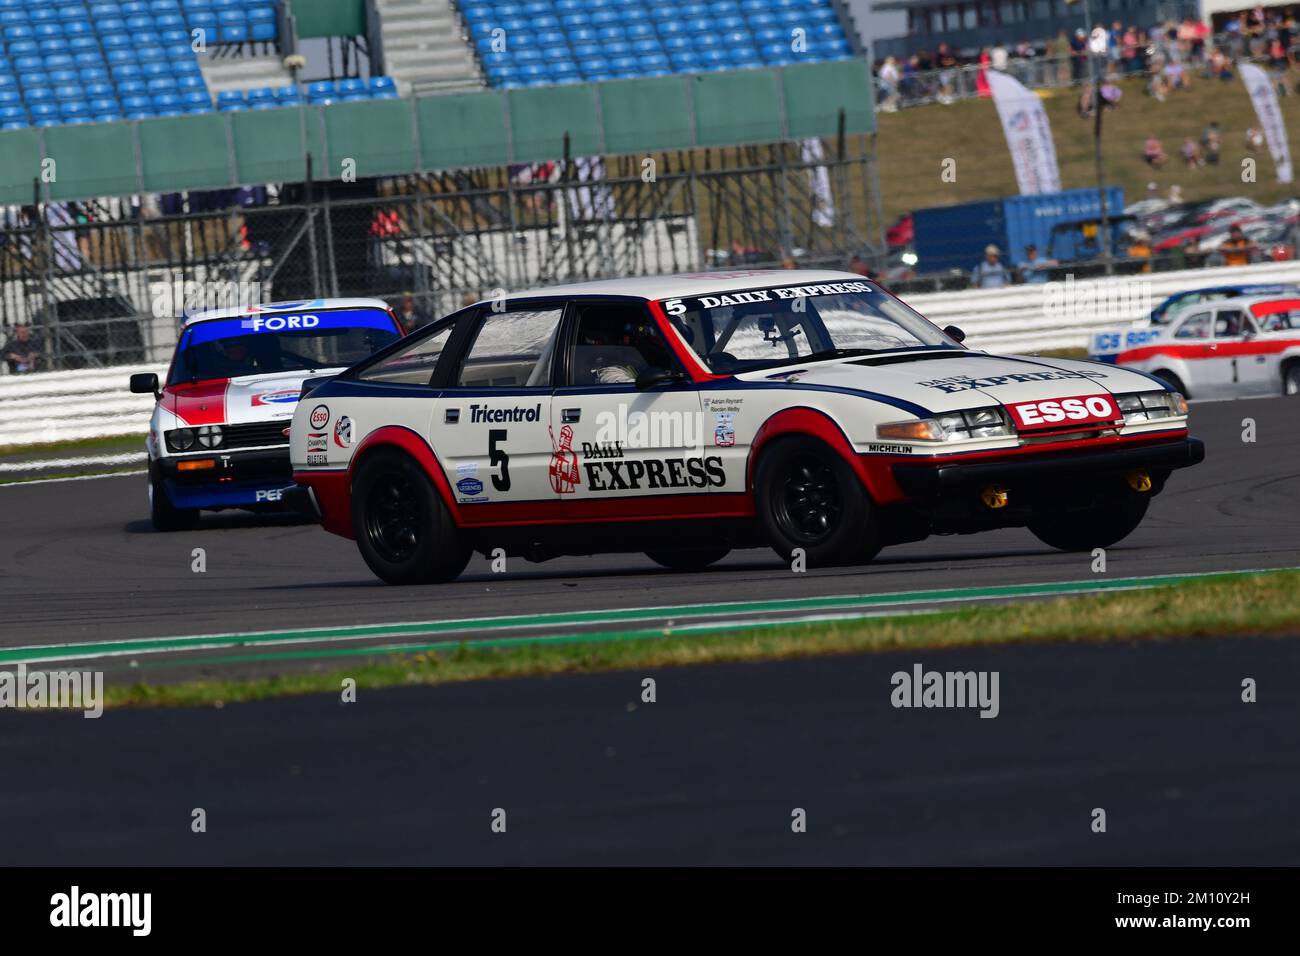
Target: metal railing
pixel 103 291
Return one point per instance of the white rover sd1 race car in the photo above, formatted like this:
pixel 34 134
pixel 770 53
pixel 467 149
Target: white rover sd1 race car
pixel 684 416
pixel 219 436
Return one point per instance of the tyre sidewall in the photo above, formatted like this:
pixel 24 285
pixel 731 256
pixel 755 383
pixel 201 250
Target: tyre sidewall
pixel 855 537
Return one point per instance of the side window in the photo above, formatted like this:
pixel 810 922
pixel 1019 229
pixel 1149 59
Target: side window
pixel 1196 327
pixel 414 364
pixel 616 343
pixel 1229 324
pixel 512 350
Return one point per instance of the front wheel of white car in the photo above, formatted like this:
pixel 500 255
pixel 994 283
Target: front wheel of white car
pixel 1108 520
pixel 811 503
pixel 164 515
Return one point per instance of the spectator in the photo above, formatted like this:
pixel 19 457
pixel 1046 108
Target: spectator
pixel 23 350
pixel 409 314
pixel 999 58
pixel 1192 154
pixel 1154 152
pixel 1129 54
pixel 1211 143
pixel 990 273
pixel 856 264
pixel 1238 250
pixel 947 63
pixel 1189 255
pixel 1254 139
pixel 1078 55
pixel 889 85
pixel 1035 270
pixel 1139 247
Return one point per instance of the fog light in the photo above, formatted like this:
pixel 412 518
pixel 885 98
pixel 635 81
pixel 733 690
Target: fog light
pixel 1138 480
pixel 994 496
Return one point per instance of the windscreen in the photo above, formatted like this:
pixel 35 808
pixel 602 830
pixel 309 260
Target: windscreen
pixel 279 342
pixel 764 328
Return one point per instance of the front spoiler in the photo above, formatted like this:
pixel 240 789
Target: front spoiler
pixel 937 478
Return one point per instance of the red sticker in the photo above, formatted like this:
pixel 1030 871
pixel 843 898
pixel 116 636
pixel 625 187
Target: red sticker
pixel 1062 412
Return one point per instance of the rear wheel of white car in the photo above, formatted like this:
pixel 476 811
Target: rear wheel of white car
pixel 402 527
pixel 1291 379
pixel 163 515
pixel 809 499
pixel 687 559
pixel 1173 381
pixel 1110 519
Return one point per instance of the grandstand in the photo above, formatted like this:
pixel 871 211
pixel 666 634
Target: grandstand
pixel 540 42
pixel 409 155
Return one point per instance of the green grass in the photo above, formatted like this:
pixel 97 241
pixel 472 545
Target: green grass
pixel 89 446
pixel 1266 603
pixel 912 144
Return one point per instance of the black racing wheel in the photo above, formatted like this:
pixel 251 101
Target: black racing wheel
pixel 402 527
pixel 808 497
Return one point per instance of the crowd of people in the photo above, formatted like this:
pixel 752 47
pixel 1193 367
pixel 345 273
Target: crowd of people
pixel 1169 55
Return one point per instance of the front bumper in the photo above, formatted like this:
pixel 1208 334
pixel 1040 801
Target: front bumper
pixel 938 478
pixel 239 479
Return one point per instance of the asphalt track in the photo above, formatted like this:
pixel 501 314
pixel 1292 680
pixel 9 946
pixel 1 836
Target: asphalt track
pixel 78 560
pixel 1154 732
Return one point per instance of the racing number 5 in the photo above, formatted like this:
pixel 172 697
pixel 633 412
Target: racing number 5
pixel 498 457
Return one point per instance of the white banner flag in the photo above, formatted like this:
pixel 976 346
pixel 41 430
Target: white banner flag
pixel 1264 97
pixel 1029 135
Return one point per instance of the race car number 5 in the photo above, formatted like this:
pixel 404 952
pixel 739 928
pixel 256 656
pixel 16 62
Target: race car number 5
pixel 497 458
pixel 674 307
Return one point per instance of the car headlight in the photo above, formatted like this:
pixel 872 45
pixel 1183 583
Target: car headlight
pixel 180 439
pixel 1150 406
pixel 953 426
pixel 210 436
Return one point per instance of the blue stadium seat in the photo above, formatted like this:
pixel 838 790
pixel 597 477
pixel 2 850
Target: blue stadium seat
pixel 60 77
pixel 382 84
pixel 161 84
pixel 194 98
pixel 165 101
pixel 125 71
pixel 99 91
pixel 186 83
pixel 131 88
pixel 259 95
pixel 234 107
pixel 93 74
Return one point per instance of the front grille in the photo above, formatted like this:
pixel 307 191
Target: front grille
pixel 255 435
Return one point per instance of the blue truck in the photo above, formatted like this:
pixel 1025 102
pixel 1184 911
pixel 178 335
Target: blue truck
pixel 954 237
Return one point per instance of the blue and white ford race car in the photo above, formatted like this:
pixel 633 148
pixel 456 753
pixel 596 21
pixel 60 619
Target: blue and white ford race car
pixel 688 415
pixel 219 437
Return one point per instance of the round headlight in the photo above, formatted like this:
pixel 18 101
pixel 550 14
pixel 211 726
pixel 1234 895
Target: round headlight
pixel 210 436
pixel 180 439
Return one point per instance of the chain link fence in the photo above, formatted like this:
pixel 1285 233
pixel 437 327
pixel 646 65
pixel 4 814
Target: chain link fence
pixel 102 284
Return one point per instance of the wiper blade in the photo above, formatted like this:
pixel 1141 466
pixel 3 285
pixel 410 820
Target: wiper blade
pixel 825 355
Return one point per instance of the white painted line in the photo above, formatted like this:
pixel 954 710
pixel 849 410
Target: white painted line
pixel 54 481
pixel 43 464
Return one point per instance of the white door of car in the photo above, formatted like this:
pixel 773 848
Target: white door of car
pixel 620 449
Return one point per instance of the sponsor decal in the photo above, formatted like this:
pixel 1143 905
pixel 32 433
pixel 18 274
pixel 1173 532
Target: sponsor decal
pixel 602 450
pixel 890 449
pixel 467 469
pixel 316 441
pixel 724 429
pixel 964 383
pixel 280 323
pixel 343 431
pixel 281 396
pixel 470 487
pixel 563 470
pixel 655 473
pixel 480 414
pixel 270 494
pixel 681 306
pixel 320 417
pixel 317 458
pixel 1054 412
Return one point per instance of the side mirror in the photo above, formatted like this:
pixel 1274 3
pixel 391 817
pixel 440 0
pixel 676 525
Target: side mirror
pixel 954 333
pixel 145 383
pixel 655 377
